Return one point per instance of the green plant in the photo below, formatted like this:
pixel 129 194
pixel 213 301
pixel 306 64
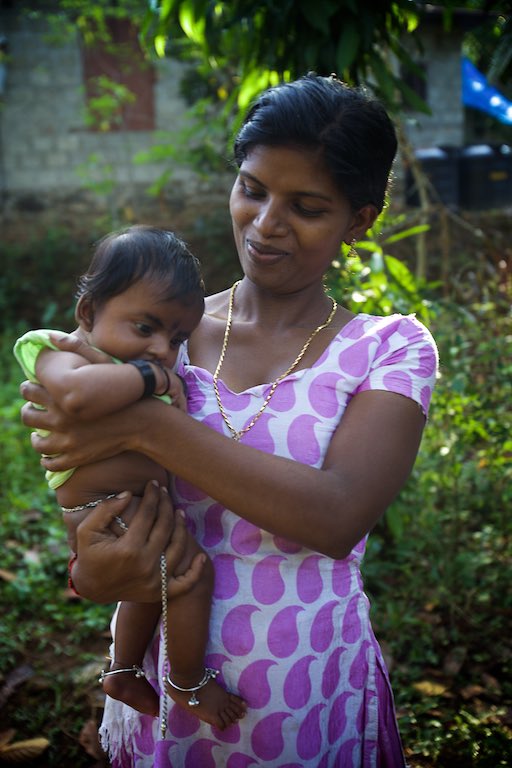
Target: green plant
pixel 38 279
pixel 380 284
pixel 44 630
pixel 438 564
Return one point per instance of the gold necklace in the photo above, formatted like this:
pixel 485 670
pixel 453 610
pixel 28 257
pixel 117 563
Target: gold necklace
pixel 237 434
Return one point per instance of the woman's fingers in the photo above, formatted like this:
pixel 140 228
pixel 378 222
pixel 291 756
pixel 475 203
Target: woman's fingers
pixel 70 343
pixel 154 520
pixel 34 393
pixel 97 523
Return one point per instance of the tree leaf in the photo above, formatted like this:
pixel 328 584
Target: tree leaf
pixel 347 47
pixel 401 274
pixel 317 14
pixel 407 233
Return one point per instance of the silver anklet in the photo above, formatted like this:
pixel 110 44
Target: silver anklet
pixel 137 671
pixel 89 505
pixel 209 674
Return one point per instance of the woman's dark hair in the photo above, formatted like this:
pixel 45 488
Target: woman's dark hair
pixel 124 257
pixel 352 131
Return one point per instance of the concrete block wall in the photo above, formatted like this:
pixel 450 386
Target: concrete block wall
pixel 44 138
pixel 47 154
pixel 444 94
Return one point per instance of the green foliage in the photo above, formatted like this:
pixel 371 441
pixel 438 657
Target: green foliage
pixel 380 284
pixel 437 567
pixel 38 280
pixel 265 39
pixel 105 108
pixel 439 564
pixel 199 144
pixel 41 626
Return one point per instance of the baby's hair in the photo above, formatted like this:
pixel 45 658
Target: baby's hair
pixel 122 258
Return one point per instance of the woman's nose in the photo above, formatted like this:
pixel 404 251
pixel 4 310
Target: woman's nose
pixel 271 219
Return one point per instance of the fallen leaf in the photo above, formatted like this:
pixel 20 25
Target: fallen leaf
pixel 89 740
pixel 7 575
pixel 471 691
pixel 430 688
pixel 7 736
pixel 21 751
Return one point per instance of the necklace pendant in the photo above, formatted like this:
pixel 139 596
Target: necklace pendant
pixel 237 437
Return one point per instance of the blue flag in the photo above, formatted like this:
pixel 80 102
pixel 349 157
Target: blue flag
pixel 477 93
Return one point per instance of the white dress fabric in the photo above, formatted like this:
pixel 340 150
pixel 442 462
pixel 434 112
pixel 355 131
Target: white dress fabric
pixel 290 629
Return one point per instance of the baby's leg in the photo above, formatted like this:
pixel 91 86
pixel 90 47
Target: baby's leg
pixel 135 626
pixel 188 625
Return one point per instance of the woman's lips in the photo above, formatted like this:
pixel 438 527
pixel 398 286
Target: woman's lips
pixel 264 253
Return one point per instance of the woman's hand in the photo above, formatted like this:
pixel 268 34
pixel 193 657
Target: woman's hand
pixel 111 568
pixel 73 442
pixel 67 342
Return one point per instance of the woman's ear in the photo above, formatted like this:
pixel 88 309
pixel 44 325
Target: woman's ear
pixel 363 219
pixel 84 313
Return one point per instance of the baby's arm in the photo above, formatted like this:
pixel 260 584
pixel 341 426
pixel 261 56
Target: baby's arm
pixel 90 391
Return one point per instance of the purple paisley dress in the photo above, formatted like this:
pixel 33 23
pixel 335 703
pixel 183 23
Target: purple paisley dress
pixel 290 628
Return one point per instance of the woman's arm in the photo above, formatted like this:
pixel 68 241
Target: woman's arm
pixel 328 509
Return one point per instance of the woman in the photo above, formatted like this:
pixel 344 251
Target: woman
pixel 306 421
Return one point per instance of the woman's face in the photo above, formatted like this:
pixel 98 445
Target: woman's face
pixel 289 218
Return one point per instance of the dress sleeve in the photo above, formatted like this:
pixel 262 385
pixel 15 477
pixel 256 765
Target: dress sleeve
pixel 406 361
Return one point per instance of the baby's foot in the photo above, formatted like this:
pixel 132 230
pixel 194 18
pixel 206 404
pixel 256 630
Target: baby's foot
pixel 216 706
pixel 130 686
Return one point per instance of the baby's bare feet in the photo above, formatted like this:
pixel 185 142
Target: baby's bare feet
pixel 216 706
pixel 130 686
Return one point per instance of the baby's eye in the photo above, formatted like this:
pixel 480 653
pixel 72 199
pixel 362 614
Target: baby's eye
pixel 144 329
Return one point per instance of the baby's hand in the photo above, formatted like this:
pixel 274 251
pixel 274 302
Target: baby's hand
pixel 180 585
pixel 176 390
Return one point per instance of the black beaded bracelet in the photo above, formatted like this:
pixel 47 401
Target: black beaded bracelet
pixel 167 379
pixel 148 376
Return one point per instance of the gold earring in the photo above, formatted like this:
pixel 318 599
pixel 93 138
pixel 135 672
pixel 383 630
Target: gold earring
pixel 352 251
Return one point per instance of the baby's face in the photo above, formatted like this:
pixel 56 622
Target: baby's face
pixel 139 324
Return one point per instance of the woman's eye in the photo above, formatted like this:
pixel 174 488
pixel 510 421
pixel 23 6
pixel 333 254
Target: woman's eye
pixel 249 191
pixel 308 212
